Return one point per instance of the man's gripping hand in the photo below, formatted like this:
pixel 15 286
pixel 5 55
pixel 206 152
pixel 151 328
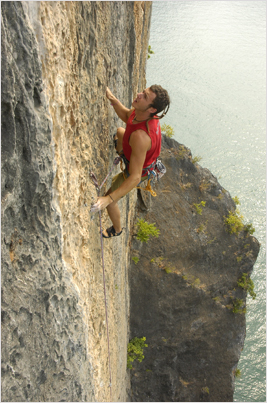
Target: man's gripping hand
pixel 102 202
pixel 120 109
pixel 110 96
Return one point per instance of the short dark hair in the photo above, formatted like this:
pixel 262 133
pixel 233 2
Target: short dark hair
pixel 161 102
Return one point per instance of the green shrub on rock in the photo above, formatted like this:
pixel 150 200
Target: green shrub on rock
pixel 135 350
pixel 238 306
pixel 146 230
pixel 168 130
pixel 247 284
pixel 198 206
pixel 234 222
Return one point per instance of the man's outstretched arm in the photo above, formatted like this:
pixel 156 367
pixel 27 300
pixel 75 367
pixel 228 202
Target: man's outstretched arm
pixel 120 109
pixel 140 144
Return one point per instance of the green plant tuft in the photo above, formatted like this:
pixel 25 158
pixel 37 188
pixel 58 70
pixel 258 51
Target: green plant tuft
pixel 202 228
pixel 234 222
pixel 238 306
pixel 204 186
pixel 247 284
pixel 150 52
pixel 236 200
pixel 168 270
pixel 196 159
pixel 237 373
pixel 135 350
pixel 168 130
pixel 135 259
pixel 206 390
pixel 249 228
pixel 198 206
pixel 146 230
pixel 196 282
pixel 182 152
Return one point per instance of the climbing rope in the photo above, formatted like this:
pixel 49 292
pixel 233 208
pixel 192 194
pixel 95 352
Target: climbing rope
pixel 98 188
pixel 104 282
pixel 116 161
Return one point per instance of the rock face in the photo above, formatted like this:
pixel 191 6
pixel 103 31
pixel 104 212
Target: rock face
pixel 184 287
pixel 57 126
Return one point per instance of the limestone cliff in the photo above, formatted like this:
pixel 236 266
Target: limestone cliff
pixel 57 126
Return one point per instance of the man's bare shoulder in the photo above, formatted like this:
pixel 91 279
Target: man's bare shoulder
pixel 139 138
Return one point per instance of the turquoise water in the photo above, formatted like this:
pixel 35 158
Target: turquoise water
pixel 210 56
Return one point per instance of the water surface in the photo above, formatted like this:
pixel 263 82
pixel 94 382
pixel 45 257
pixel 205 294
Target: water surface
pixel 211 57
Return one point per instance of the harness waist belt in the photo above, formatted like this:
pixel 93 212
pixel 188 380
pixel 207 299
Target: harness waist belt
pixel 144 170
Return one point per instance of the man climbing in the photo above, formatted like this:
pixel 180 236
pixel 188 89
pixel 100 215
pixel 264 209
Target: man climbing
pixel 140 143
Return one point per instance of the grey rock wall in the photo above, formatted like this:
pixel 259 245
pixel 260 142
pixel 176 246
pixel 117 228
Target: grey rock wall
pixel 44 354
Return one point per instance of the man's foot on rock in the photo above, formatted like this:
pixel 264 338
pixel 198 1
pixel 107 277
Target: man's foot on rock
pixel 110 232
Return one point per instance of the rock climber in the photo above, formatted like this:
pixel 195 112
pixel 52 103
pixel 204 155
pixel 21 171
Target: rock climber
pixel 140 144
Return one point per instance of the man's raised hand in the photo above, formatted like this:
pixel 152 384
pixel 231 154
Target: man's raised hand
pixel 109 95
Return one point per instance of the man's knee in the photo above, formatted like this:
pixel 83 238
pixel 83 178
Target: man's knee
pixel 120 132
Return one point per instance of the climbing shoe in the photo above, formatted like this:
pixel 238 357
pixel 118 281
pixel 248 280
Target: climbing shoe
pixel 111 232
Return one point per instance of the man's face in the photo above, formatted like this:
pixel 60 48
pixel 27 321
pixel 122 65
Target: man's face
pixel 143 100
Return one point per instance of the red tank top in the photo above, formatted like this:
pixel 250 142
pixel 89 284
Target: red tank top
pixel 154 133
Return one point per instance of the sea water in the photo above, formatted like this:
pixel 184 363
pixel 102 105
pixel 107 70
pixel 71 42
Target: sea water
pixel 210 56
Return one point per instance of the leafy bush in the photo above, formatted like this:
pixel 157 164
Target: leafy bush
pixel 135 350
pixel 168 130
pixel 146 230
pixel 234 222
pixel 247 284
pixel 238 306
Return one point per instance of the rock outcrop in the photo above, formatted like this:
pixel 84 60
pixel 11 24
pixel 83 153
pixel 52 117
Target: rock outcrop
pixel 184 287
pixel 57 125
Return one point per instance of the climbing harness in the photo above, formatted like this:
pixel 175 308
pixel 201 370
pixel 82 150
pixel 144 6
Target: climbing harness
pixel 154 172
pixel 98 188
